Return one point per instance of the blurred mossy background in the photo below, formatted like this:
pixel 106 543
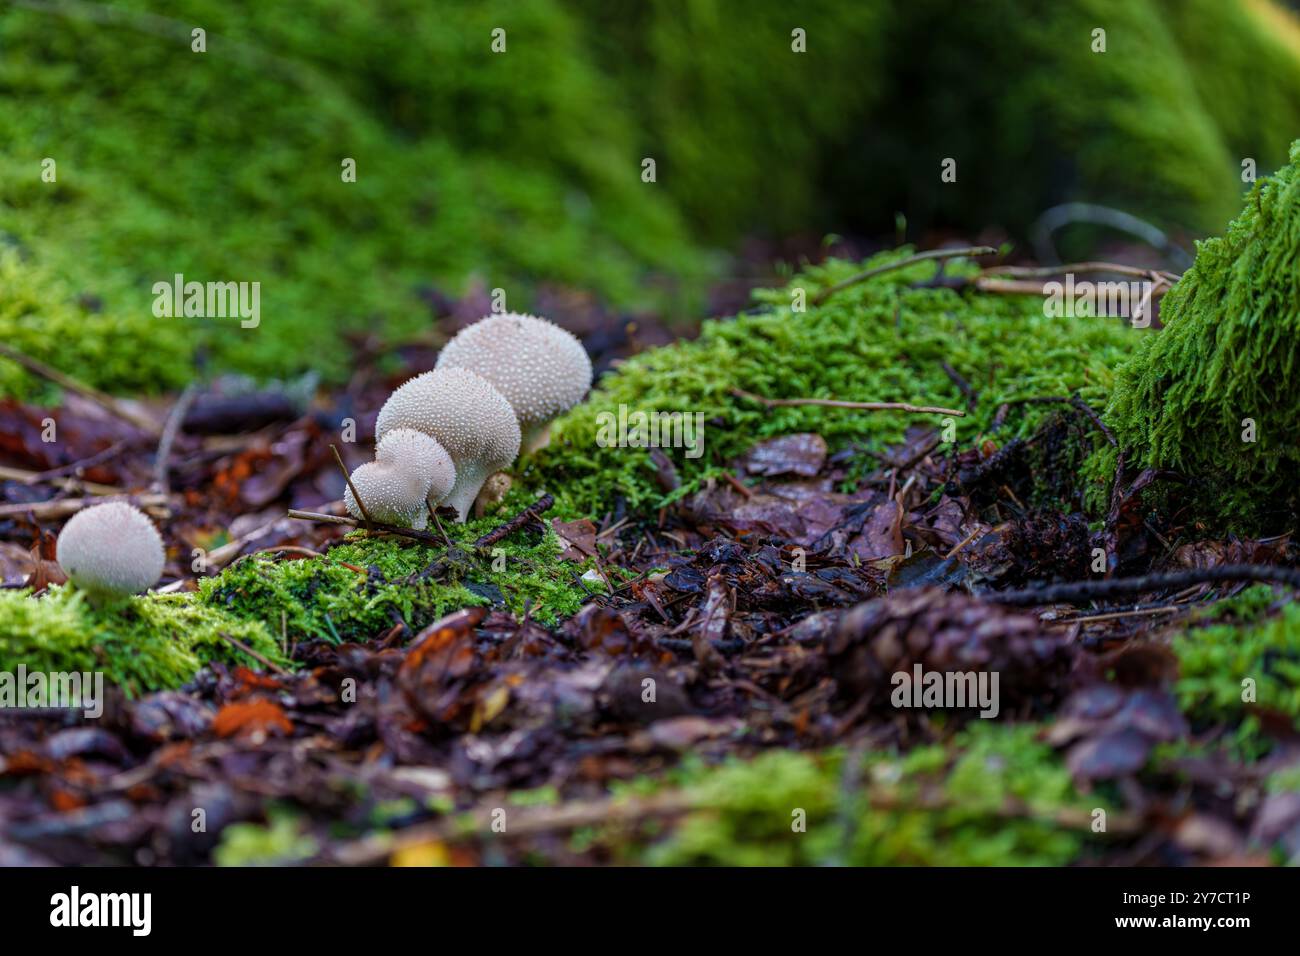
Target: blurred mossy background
pixel 524 167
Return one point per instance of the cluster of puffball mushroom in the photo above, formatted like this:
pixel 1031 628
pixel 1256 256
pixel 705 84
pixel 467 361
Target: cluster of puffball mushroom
pixel 442 435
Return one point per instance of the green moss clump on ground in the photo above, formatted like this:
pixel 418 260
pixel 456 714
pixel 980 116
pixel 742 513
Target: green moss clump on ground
pixel 878 341
pixel 324 598
pixel 226 166
pixel 1227 353
pixel 1195 85
pixel 143 644
pixel 158 641
pixel 42 316
pixel 524 167
pixel 750 152
pixel 1248 642
pixel 1002 796
pixel 281 841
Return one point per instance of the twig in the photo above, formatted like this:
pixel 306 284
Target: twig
pixel 255 655
pixel 835 403
pixel 170 430
pixel 76 484
pixel 979 529
pixel 376 526
pixel 1095 418
pixel 291 549
pixel 1073 592
pixel 63 507
pixel 348 478
pixel 739 485
pixel 514 524
pixel 902 263
pixel 106 402
pixel 107 454
pixel 1078 268
pixel 437 523
pixel 1117 615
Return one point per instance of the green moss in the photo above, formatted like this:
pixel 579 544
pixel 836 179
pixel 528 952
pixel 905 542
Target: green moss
pixel 226 165
pixel 146 643
pixel 878 341
pixel 750 152
pixel 1247 643
pixel 280 841
pixel 325 598
pixel 1226 354
pixel 160 641
pixel 1004 85
pixel 997 796
pixel 1125 128
pixel 524 167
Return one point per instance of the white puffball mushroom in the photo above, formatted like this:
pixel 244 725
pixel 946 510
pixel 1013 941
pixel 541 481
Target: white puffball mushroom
pixel 392 495
pixel 541 369
pixel 467 416
pixel 111 550
pixel 409 469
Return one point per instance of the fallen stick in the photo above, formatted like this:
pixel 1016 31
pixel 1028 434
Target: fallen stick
pixel 424 536
pixel 104 401
pixel 900 264
pixel 162 457
pixel 356 496
pixel 514 524
pixel 836 403
pixel 39 477
pixel 1075 591
pixel 271 665
pixel 1043 272
pixel 63 507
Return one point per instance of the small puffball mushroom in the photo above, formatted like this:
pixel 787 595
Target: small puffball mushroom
pixel 111 550
pixel 418 453
pixel 541 369
pixel 409 469
pixel 392 495
pixel 467 416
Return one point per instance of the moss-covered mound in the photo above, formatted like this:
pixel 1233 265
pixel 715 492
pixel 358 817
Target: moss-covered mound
pixel 1244 670
pixel 143 644
pixel 993 796
pixel 1216 394
pixel 524 166
pixel 358 590
pixel 883 340
pixel 1157 124
pixel 226 165
pixel 354 592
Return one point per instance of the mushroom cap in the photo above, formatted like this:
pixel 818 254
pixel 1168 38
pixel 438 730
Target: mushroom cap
pixel 393 494
pixel 111 549
pixel 466 415
pixel 420 455
pixel 541 369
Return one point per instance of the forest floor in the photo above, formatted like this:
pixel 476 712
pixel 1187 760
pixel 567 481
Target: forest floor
pixel 763 614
